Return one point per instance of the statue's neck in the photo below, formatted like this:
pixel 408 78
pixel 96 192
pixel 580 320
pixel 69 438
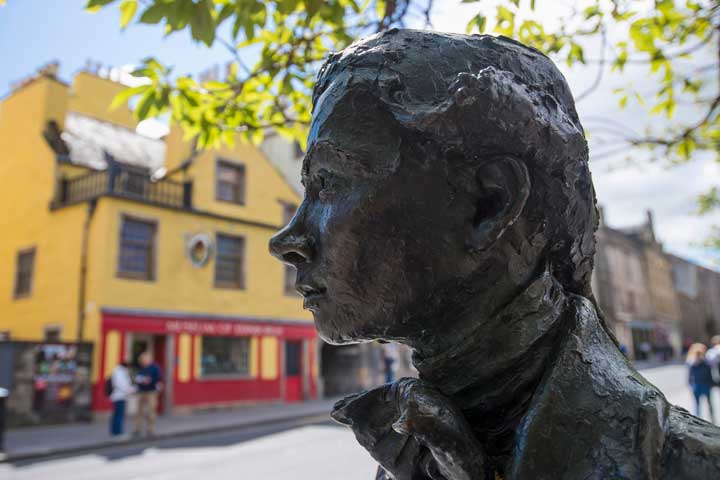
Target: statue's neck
pixel 492 373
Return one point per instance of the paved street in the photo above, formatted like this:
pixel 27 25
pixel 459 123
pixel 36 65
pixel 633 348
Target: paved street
pixel 40 441
pixel 289 450
pixel 672 380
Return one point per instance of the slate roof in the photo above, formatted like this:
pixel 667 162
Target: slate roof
pixel 89 140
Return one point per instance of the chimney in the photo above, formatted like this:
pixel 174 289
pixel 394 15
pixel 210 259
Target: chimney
pixel 49 70
pixel 649 224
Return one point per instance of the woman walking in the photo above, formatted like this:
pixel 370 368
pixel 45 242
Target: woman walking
pixel 700 377
pixel 122 388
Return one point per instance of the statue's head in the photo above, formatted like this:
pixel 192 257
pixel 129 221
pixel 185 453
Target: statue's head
pixel 440 169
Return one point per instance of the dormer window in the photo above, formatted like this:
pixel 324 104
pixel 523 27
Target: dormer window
pixel 230 182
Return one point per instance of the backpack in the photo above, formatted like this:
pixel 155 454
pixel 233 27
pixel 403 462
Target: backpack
pixel 108 386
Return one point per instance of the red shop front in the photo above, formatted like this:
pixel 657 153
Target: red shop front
pixel 210 361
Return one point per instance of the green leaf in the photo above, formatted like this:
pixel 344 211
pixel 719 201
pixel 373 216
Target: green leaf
pixel 123 97
pixel 686 147
pixel 380 8
pixel 202 24
pixel 226 12
pixel 155 13
pixel 478 21
pixel 620 61
pixel 228 137
pixel 591 11
pixel 257 136
pixel 146 102
pixel 505 21
pixel 623 101
pixel 215 85
pixel 94 6
pixel 576 54
pixel 127 12
pixel 641 33
pixel 710 200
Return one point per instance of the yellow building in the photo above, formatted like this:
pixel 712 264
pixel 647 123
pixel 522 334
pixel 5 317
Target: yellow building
pixel 136 244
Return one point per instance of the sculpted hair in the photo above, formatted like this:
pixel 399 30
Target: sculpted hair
pixel 479 96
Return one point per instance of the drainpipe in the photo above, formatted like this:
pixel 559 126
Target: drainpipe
pixel 92 204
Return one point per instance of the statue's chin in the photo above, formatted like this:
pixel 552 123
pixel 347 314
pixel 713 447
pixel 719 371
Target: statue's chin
pixel 330 333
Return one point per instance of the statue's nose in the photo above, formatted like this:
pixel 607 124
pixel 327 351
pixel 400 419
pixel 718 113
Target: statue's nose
pixel 291 247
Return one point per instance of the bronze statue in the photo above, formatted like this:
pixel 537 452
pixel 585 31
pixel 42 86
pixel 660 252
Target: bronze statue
pixel 449 206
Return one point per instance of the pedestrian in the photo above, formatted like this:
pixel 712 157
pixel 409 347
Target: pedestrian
pixel 700 377
pixel 713 358
pixel 645 350
pixel 121 389
pixel 149 384
pixel 390 359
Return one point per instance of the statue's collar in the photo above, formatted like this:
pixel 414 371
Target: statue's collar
pixel 496 346
pixel 492 374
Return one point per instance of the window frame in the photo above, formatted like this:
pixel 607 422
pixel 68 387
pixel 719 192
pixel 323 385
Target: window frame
pixel 31 283
pixel 151 273
pixel 240 189
pixel 229 375
pixel 240 283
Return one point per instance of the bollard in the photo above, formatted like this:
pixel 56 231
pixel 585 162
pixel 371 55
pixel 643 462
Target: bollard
pixel 3 399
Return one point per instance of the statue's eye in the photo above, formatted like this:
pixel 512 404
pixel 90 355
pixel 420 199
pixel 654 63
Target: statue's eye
pixel 326 185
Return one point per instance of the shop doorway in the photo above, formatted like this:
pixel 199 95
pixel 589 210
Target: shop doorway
pixel 293 371
pixel 156 345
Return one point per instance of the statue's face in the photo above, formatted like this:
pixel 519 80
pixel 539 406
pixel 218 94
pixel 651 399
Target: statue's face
pixel 378 234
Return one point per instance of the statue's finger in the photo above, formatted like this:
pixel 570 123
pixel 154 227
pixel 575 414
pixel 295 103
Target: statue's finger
pixel 358 405
pixel 398 454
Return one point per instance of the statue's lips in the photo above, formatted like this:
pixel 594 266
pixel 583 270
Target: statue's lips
pixel 312 302
pixel 312 295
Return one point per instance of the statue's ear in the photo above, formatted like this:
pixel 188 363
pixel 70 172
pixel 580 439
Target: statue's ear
pixel 503 186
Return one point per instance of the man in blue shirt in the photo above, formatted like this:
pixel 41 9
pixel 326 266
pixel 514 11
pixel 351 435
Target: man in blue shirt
pixel 149 383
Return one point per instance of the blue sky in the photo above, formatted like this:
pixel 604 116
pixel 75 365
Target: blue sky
pixel 34 32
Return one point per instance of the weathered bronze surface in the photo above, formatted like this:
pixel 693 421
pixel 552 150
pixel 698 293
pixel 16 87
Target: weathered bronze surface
pixel 449 206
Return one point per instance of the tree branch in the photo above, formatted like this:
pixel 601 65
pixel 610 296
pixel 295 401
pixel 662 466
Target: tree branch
pixel 601 67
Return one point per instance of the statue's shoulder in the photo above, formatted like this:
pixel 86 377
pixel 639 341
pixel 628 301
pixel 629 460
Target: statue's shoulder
pixel 692 447
pixel 593 416
pixel 670 441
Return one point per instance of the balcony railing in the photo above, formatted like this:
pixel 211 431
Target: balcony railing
pixel 121 182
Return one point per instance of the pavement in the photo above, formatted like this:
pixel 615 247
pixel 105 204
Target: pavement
pixel 42 441
pixel 290 452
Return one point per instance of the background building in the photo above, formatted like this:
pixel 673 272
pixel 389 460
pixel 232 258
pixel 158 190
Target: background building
pixel 657 303
pixel 698 292
pixel 137 244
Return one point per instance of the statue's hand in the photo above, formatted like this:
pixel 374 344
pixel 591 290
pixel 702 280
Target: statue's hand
pixel 413 431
